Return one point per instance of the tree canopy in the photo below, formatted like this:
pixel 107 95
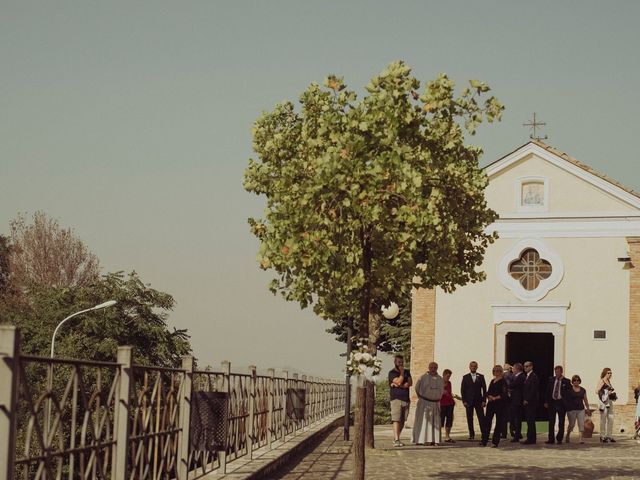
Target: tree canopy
pixel 362 195
pixel 48 273
pixel 44 254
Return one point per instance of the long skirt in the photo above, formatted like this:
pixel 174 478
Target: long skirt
pixel 426 428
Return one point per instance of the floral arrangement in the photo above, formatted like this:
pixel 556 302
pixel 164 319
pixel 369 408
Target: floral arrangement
pixel 362 362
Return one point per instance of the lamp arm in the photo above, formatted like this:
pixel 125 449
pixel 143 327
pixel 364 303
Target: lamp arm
pixel 53 339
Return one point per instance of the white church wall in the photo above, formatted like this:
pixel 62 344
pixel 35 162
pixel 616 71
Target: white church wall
pixel 594 287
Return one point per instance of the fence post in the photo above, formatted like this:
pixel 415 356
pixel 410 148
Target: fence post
pixel 271 373
pixel 305 412
pixel 296 385
pixel 252 411
pixel 9 366
pixel 185 417
pixel 225 367
pixel 121 414
pixel 285 375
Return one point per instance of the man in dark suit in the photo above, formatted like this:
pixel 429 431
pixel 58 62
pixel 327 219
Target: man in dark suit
pixel 555 396
pixel 515 401
pixel 530 399
pixel 474 390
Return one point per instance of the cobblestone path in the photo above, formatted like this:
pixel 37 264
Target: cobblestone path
pixel 465 459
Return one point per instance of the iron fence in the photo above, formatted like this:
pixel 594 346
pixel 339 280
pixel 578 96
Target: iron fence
pixel 68 419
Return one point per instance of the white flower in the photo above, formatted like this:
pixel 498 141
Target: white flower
pixel 357 357
pixel 366 357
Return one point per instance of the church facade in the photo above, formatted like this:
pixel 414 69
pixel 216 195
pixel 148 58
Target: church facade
pixel 563 279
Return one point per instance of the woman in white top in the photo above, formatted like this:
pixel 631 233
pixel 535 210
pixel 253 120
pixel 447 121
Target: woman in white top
pixel 606 396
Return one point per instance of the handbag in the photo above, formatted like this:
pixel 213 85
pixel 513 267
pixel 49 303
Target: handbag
pixel 588 426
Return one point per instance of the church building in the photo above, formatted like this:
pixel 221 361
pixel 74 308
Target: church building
pixel 562 286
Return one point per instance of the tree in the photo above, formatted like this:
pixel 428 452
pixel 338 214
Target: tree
pixel 43 254
pixel 138 319
pixel 363 196
pixel 4 264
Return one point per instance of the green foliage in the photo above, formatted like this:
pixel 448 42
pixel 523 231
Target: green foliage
pixel 382 404
pixel 363 195
pixel 396 333
pixel 138 319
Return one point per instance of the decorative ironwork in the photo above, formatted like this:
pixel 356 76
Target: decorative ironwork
pixel 153 443
pixel 65 423
pixel 121 421
pixel 534 125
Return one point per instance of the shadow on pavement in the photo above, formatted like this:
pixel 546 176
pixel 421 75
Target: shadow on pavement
pixel 586 472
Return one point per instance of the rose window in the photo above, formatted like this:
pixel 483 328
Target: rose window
pixel 530 269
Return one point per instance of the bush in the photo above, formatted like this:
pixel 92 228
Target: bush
pixel 381 408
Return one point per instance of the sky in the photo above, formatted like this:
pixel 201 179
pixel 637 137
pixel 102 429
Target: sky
pixel 131 123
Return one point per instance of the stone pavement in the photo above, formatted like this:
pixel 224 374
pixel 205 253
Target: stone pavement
pixel 331 460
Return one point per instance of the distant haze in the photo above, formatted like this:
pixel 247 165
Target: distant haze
pixel 131 123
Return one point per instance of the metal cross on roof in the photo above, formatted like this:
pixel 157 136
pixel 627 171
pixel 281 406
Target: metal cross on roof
pixel 535 125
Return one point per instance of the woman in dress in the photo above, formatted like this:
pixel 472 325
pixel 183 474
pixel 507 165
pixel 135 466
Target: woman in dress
pixel 577 406
pixel 496 406
pixel 606 396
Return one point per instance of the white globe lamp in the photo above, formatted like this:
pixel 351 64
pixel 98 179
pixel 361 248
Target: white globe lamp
pixel 391 311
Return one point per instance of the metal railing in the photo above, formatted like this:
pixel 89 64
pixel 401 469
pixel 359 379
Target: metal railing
pixel 68 419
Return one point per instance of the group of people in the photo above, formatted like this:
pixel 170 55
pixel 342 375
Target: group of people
pixel 511 398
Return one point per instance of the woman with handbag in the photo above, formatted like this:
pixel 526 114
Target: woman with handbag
pixel 577 406
pixel 606 396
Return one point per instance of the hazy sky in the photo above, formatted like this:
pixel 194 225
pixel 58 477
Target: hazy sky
pixel 130 122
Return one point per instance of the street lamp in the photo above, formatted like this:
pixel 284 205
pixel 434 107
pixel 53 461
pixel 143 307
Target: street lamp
pixel 100 306
pixel 107 304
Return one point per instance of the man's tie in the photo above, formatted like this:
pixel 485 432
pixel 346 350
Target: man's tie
pixel 556 390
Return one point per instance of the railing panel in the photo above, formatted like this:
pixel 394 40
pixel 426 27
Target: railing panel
pixel 155 428
pixel 65 419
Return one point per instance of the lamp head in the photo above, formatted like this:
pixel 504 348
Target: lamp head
pixel 107 304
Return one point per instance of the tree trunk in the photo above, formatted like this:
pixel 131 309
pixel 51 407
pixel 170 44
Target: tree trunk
pixel 369 441
pixel 365 321
pixel 358 434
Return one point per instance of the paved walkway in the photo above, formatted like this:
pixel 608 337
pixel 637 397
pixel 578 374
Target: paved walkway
pixel 331 460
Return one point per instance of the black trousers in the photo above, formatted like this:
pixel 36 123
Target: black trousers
pixel 479 413
pixel 556 407
pixel 530 416
pixel 494 409
pixel 515 418
pixel 507 425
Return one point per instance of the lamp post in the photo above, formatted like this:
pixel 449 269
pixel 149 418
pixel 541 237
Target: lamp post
pixel 107 304
pixel 347 398
pixel 100 306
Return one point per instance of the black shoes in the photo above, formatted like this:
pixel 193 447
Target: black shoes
pixel 529 442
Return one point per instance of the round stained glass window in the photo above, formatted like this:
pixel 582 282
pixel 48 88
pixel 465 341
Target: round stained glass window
pixel 530 269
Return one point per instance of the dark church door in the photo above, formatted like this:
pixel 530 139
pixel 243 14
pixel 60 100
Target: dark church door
pixel 536 348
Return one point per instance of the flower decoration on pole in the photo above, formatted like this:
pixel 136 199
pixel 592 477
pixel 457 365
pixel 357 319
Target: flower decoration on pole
pixel 391 311
pixel 362 364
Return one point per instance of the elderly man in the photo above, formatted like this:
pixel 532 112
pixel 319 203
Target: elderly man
pixel 430 387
